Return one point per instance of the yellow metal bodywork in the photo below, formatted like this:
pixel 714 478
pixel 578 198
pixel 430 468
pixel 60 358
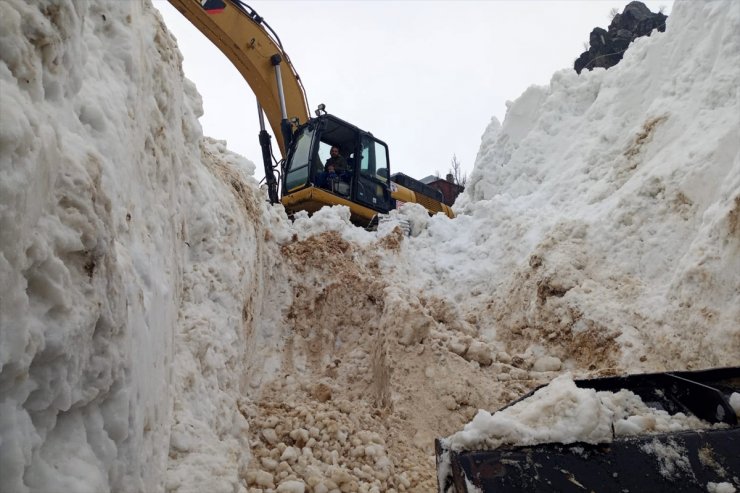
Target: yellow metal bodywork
pixel 311 199
pixel 249 47
pixel 403 195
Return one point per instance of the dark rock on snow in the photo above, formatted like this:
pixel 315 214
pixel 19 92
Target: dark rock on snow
pixel 607 47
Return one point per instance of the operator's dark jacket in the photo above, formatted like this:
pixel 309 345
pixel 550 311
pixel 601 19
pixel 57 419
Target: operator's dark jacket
pixel 340 164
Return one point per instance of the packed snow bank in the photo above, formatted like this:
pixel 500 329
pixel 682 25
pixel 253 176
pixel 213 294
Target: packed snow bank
pixel 92 216
pixel 600 224
pixel 227 330
pixel 133 259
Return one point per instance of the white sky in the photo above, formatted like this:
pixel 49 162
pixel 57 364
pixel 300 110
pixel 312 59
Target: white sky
pixel 425 77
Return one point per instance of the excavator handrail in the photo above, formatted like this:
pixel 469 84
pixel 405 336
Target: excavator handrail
pixel 250 44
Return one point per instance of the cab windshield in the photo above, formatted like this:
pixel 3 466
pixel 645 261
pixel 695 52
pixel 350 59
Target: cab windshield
pixel 299 166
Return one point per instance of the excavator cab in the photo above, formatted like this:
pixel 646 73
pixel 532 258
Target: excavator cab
pixel 365 187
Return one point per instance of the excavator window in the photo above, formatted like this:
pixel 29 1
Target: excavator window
pixel 341 181
pixel 324 148
pixel 374 159
pixel 372 184
pixel 300 164
pixel 381 162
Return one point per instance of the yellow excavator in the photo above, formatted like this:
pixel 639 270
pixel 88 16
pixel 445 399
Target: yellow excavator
pixel 367 186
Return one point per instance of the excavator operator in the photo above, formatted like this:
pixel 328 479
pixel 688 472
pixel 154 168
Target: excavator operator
pixel 335 169
pixel 337 160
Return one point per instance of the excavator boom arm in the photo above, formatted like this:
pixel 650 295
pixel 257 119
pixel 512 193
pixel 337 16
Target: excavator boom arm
pixel 251 49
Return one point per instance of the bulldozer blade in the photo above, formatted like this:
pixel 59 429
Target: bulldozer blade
pixel 679 461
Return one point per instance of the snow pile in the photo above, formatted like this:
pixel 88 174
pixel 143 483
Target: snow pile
pixel 230 295
pixel 720 488
pixel 600 224
pixel 132 258
pixel 91 225
pixel 560 412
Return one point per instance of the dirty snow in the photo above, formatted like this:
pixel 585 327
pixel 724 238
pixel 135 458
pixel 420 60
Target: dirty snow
pixel 163 329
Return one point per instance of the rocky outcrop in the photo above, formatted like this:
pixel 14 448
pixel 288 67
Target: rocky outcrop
pixel 606 48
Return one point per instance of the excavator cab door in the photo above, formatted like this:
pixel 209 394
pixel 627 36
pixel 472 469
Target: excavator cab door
pixel 372 174
pixel 301 160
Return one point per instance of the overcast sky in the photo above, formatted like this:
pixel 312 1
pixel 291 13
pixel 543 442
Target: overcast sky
pixel 424 76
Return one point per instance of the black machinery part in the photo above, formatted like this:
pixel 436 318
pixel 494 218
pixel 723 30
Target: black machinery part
pixel 667 462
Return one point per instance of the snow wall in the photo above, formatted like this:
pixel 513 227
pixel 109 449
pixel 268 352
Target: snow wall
pixel 162 328
pixel 113 208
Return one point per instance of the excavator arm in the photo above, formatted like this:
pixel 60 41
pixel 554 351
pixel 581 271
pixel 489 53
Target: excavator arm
pixel 245 39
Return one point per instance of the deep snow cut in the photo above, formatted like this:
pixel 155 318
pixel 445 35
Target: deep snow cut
pixel 163 328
